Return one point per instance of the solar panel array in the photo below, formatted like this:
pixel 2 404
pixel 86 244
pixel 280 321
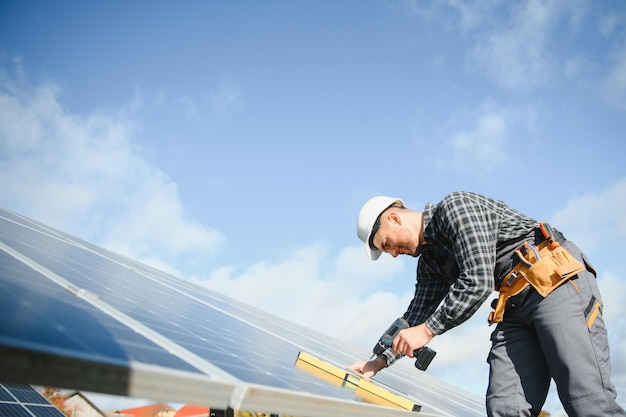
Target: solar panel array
pixel 74 315
pixel 19 400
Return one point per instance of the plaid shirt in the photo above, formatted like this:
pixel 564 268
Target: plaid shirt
pixel 470 240
pixel 466 236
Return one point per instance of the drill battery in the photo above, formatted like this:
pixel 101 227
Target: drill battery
pixel 423 357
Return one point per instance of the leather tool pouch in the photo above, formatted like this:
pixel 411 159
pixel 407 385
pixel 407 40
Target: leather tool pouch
pixel 542 267
pixel 554 268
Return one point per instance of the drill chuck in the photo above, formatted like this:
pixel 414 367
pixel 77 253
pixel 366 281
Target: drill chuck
pixel 386 340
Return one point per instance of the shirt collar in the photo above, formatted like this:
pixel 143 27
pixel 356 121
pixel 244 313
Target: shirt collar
pixel 429 213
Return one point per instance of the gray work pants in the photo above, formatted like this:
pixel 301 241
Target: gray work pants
pixel 542 338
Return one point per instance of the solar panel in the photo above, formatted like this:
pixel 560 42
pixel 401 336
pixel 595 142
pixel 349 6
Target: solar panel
pixel 19 400
pixel 78 316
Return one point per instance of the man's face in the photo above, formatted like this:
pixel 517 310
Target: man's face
pixel 395 237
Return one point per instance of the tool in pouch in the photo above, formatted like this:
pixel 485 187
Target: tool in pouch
pixel 545 267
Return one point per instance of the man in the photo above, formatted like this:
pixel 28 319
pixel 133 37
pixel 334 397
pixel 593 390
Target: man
pixel 548 315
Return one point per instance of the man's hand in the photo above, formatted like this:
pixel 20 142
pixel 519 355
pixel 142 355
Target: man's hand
pixel 369 368
pixel 408 340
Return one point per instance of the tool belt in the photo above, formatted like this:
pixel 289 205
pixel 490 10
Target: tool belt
pixel 545 267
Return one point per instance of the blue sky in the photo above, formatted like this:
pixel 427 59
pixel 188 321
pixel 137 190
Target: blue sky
pixel 233 143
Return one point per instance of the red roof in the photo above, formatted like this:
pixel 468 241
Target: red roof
pixel 192 410
pixel 148 410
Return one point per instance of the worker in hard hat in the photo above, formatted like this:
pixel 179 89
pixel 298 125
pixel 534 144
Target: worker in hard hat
pixel 548 313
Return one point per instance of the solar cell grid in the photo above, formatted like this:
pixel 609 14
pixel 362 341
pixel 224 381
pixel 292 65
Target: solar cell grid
pixel 42 411
pixel 26 394
pixel 13 410
pixel 233 359
pixel 12 218
pixel 162 316
pixel 5 396
pixel 37 312
pixel 87 269
pixel 19 400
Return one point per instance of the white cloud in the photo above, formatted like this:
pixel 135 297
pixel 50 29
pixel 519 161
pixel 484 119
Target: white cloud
pixel 353 266
pixel 516 55
pixel 479 141
pixel 482 148
pixel 510 41
pixel 84 175
pixel 516 45
pixel 595 218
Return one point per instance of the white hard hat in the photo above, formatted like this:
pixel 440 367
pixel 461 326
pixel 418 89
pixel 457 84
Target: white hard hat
pixel 367 217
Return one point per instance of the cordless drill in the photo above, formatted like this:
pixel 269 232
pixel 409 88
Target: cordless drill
pixel 423 356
